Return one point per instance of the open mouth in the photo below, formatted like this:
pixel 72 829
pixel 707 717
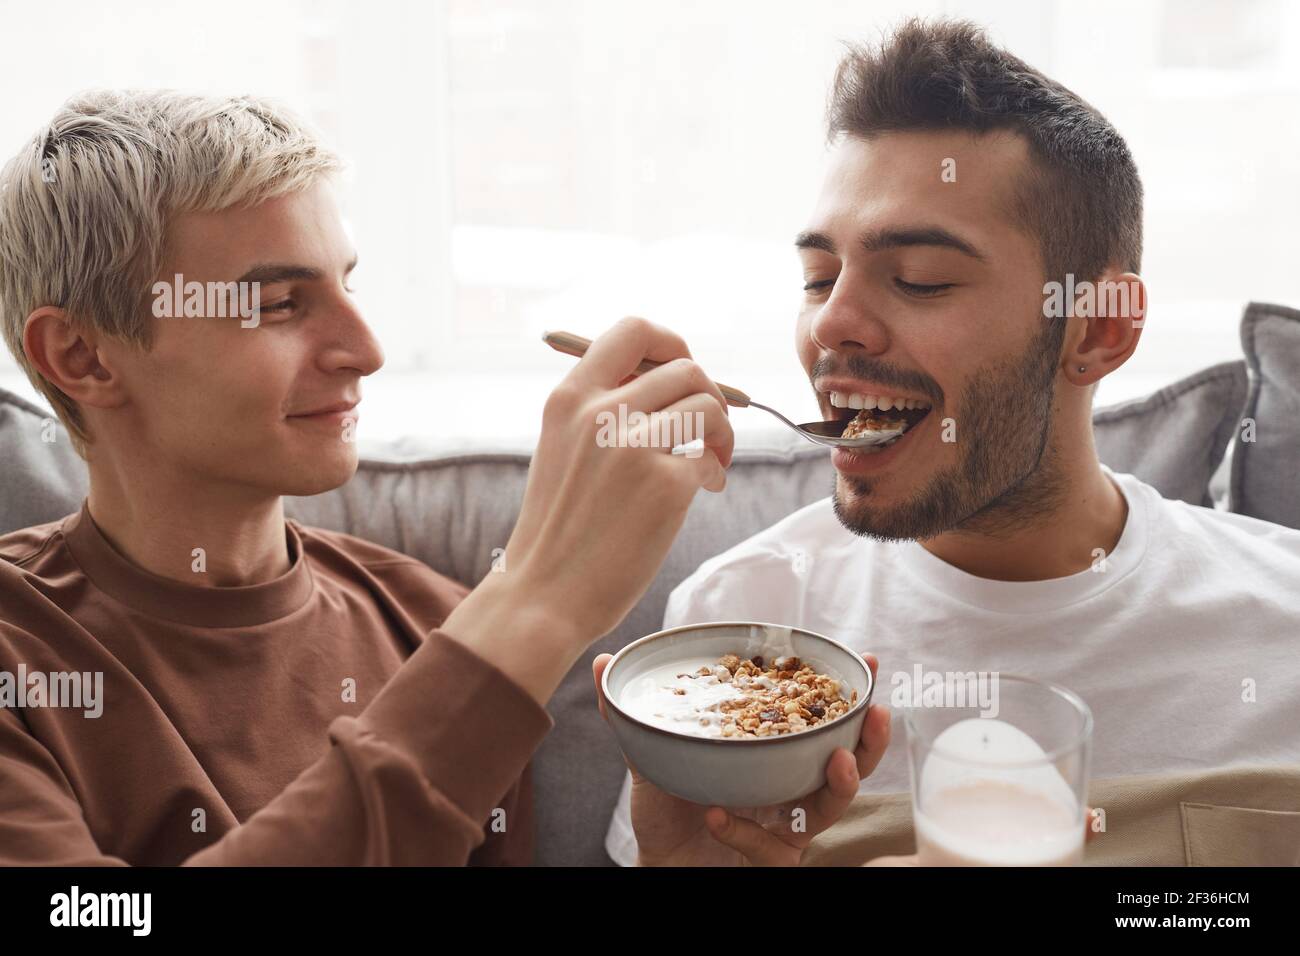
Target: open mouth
pixel 864 414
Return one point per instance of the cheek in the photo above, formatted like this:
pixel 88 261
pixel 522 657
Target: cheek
pixel 954 349
pixel 238 379
pixel 1006 314
pixel 803 343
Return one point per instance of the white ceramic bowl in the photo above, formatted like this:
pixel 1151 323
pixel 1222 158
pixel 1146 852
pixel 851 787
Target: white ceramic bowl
pixel 722 771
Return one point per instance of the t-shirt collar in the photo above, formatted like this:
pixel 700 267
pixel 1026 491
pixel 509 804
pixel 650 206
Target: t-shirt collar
pixel 1033 597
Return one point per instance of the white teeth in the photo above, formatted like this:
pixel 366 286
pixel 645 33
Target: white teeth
pixel 884 403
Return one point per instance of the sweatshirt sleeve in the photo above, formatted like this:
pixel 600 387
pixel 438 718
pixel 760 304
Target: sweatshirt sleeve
pixel 411 780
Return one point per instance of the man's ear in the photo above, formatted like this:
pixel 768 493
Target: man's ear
pixel 70 358
pixel 1107 323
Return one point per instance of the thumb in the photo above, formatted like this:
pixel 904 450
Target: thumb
pixel 597 672
pixel 598 666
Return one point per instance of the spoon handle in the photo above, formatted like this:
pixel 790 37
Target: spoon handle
pixel 577 346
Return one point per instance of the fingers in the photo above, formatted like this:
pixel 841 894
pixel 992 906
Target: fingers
pixel 676 403
pixel 874 740
pixel 748 838
pixel 669 383
pixel 701 470
pixel 615 355
pixel 1088 832
pixel 894 861
pixel 828 804
pixel 873 665
pixel 715 479
pixel 697 417
pixel 694 417
pixel 597 672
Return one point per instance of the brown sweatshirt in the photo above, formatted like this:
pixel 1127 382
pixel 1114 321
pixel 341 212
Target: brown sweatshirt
pixel 316 719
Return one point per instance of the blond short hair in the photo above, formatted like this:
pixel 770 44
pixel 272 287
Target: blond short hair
pixel 85 205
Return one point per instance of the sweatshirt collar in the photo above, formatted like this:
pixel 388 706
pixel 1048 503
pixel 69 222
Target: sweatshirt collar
pixel 179 602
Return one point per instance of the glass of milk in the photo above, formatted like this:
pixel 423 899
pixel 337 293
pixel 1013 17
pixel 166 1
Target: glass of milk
pixel 999 775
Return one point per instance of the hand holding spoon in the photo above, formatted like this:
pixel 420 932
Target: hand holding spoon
pixel 823 433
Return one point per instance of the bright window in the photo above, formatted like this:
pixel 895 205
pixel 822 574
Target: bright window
pixel 521 165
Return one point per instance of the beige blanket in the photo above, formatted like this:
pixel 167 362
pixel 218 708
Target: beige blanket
pixel 1244 815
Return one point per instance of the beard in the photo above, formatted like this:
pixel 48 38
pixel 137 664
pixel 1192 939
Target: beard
pixel 1009 475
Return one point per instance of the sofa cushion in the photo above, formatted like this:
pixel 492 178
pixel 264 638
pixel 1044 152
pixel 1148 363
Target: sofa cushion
pixel 1174 439
pixel 41 476
pixel 1266 449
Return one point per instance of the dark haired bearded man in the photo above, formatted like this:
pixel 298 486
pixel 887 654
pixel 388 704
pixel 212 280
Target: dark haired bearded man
pixel 962 183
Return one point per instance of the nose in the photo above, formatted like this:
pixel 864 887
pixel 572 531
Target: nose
pixel 850 319
pixel 352 344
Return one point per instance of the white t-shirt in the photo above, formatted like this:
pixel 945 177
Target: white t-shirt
pixel 1185 643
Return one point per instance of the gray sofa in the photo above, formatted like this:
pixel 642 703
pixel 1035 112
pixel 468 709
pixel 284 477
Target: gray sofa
pixel 452 510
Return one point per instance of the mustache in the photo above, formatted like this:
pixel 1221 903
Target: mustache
pixel 856 366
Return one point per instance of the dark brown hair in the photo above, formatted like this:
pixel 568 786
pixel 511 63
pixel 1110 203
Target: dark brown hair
pixel 1081 196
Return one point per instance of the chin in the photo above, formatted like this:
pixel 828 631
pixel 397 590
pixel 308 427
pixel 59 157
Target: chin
pixel 870 495
pixel 320 476
pixel 864 512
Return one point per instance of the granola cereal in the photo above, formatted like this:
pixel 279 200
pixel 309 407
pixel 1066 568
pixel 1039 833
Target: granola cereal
pixel 740 698
pixel 865 423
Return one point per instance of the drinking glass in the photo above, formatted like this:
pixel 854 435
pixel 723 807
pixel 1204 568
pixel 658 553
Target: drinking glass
pixel 999 785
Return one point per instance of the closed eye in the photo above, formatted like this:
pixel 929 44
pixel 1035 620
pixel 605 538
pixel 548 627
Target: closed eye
pixel 922 291
pixel 819 285
pixel 288 305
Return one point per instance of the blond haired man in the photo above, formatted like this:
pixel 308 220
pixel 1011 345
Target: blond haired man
pixel 274 693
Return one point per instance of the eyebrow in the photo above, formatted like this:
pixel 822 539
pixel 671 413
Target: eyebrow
pixel 270 273
pixel 894 239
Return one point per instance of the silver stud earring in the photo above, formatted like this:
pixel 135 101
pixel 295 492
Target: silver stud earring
pixel 1082 367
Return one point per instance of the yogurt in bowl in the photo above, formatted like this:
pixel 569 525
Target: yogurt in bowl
pixel 737 697
pixel 761 708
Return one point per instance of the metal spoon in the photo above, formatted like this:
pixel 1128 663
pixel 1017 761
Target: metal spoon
pixel 823 433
